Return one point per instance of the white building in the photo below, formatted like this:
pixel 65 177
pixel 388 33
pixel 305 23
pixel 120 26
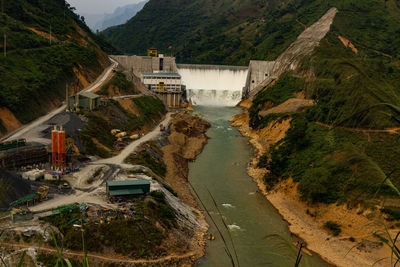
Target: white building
pixel 163 82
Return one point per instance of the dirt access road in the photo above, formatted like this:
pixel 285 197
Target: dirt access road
pixel 119 160
pixel 25 131
pixel 67 253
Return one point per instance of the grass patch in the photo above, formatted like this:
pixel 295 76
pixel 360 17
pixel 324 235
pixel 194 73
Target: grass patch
pixel 392 214
pixel 151 157
pixel 53 260
pixel 119 81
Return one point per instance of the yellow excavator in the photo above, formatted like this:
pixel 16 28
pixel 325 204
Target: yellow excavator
pixel 43 191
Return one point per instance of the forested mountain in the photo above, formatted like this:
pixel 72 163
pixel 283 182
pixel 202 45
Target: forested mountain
pixel 47 46
pixel 233 32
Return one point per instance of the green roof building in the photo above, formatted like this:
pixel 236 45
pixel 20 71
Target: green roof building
pixel 84 100
pixel 128 188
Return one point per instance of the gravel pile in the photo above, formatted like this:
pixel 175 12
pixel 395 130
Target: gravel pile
pixel 70 122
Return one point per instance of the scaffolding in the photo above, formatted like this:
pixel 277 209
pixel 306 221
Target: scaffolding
pixel 23 156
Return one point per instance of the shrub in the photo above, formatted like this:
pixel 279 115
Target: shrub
pixel 393 215
pixel 333 227
pixel 315 186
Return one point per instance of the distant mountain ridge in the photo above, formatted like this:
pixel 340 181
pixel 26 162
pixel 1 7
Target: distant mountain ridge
pixel 120 16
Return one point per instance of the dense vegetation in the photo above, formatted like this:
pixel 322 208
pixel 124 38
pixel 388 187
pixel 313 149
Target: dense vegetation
pixel 333 164
pixel 352 90
pixel 336 164
pixel 113 116
pixel 138 236
pixel 45 41
pixel 233 32
pixel 150 156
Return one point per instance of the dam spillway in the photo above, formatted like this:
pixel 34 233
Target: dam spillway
pixel 213 85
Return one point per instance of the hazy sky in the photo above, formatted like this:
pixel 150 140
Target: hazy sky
pixel 99 6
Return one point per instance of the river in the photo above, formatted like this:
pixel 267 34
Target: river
pixel 260 236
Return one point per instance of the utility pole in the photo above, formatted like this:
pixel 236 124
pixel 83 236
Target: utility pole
pixel 5 45
pixel 50 34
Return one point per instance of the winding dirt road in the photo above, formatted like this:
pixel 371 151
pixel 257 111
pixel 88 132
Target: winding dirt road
pixel 114 259
pixel 119 160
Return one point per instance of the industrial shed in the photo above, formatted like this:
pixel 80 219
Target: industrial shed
pixel 128 188
pixel 84 101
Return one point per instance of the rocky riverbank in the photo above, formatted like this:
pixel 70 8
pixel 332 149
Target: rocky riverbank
pixel 187 139
pixel 355 246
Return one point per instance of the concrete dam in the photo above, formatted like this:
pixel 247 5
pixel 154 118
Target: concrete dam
pixel 211 85
pixel 206 85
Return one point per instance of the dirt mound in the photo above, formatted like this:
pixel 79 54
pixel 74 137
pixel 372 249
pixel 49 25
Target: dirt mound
pixel 12 187
pixel 189 125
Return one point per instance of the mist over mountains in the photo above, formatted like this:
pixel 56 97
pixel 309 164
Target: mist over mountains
pixel 119 16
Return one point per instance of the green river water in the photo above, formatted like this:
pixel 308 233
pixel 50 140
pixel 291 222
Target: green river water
pixel 253 222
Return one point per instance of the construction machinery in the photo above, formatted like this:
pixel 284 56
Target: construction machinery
pixel 121 134
pixel 115 131
pixel 43 191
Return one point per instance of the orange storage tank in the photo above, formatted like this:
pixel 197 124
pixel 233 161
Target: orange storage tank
pixel 61 149
pixel 54 148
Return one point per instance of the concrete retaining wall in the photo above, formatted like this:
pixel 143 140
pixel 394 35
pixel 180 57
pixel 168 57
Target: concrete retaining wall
pixel 140 64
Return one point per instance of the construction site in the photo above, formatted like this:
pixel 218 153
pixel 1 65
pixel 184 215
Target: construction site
pixel 67 189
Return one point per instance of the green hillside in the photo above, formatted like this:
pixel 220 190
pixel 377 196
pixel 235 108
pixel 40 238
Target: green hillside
pixel 233 32
pixel 356 93
pixel 46 40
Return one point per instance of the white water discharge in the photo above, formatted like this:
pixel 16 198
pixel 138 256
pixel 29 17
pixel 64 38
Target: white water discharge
pixel 213 85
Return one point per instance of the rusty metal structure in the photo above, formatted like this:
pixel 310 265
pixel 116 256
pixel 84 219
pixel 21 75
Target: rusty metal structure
pixel 29 155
